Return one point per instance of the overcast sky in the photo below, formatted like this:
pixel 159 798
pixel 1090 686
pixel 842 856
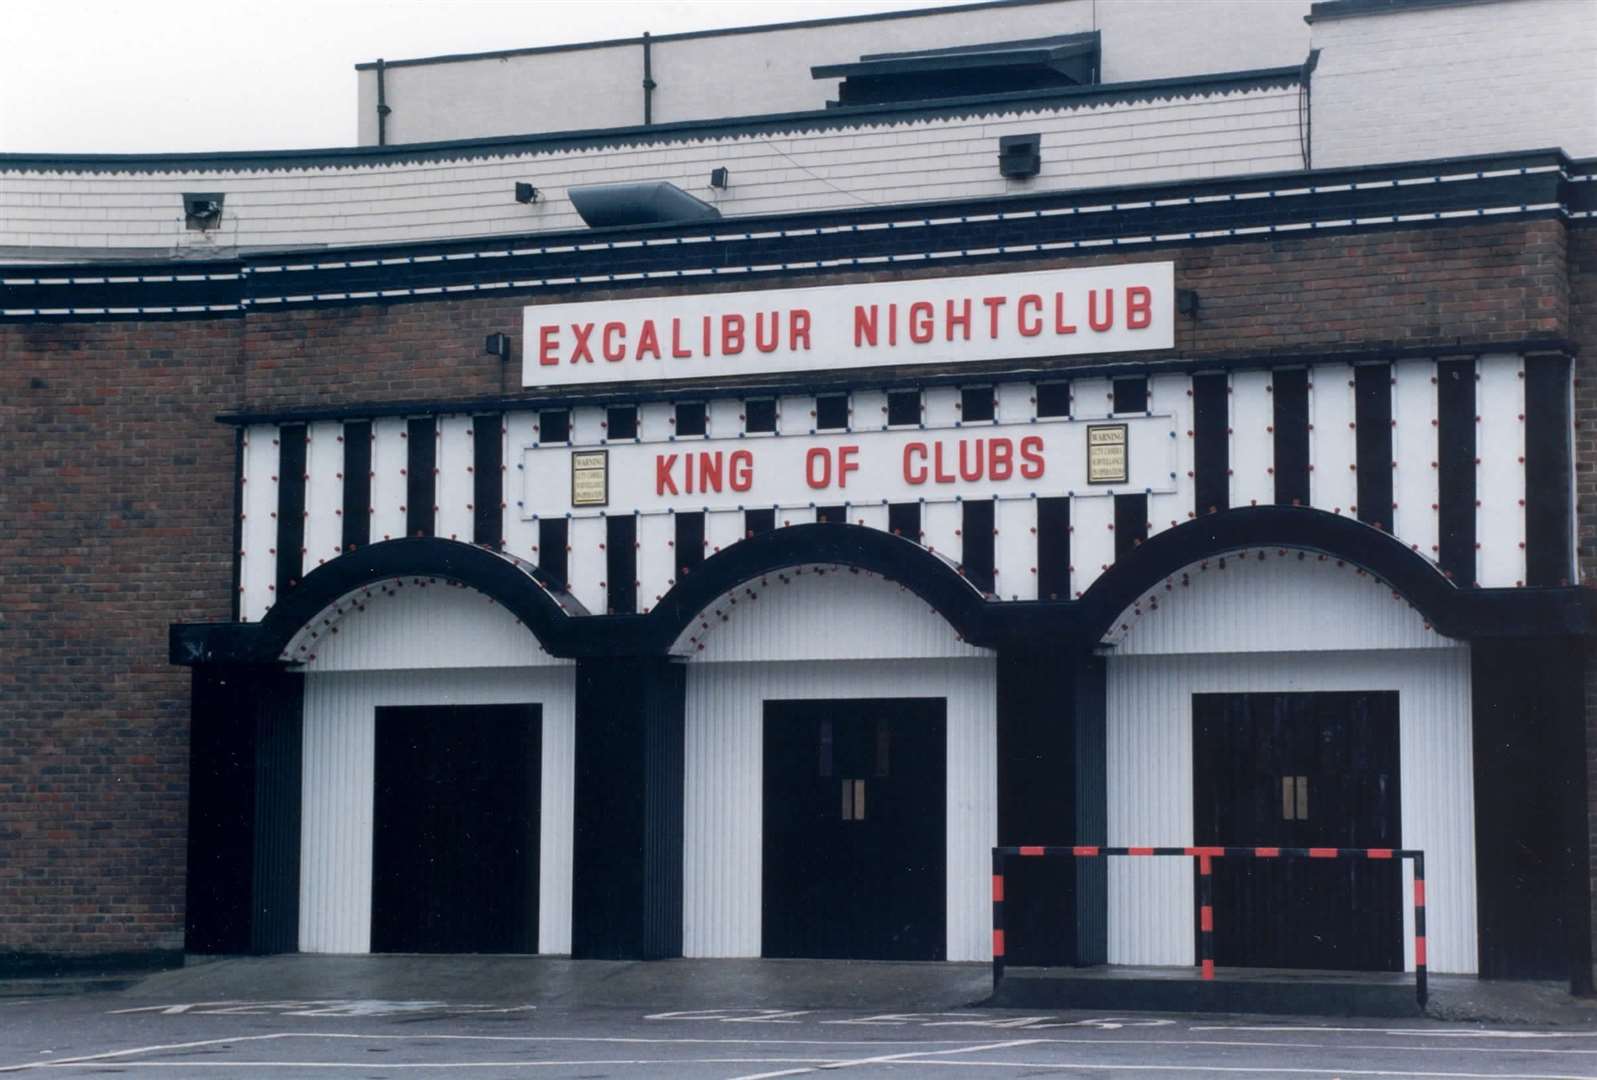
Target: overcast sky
pixel 128 76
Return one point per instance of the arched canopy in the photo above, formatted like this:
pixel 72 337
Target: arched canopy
pixel 1275 527
pixel 511 582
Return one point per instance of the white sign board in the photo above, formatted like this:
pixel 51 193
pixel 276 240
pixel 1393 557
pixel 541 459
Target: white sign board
pixel 1042 458
pixel 1032 316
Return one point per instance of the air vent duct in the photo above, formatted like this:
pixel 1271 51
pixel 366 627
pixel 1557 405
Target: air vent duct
pixel 655 203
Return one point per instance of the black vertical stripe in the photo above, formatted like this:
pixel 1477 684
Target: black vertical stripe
pixel 1131 395
pixel 1131 523
pixel 1372 417
pixel 758 521
pixel 487 480
pixel 421 484
pixel 976 531
pixel 689 543
pixel 621 563
pixel 1053 549
pixel 1455 461
pixel 357 523
pixel 976 403
pixel 290 507
pixel 1547 471
pixel 553 558
pixel 903 519
pixel 836 515
pixel 238 524
pixel 1290 390
pixel 1053 399
pixel 1211 452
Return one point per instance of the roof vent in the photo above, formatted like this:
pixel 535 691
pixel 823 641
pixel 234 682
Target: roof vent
pixel 654 203
pixel 999 67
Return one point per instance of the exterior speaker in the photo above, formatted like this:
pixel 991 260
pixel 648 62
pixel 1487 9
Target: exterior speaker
pixel 1019 156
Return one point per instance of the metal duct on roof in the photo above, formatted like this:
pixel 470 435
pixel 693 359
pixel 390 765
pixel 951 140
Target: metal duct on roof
pixel 656 202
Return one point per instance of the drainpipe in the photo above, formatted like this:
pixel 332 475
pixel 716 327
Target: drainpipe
pixel 648 80
pixel 382 107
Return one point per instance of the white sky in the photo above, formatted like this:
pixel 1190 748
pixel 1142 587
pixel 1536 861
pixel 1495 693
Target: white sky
pixel 131 76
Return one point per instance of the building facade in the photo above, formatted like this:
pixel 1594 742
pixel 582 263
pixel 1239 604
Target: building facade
pixel 736 519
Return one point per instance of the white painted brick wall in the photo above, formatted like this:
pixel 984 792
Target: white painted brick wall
pixel 1477 79
pixel 1088 146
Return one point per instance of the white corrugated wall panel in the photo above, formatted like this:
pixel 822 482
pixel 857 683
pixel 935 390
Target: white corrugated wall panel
pixel 1150 785
pixel 1297 601
pixel 1414 447
pixel 1500 477
pixel 521 533
pixel 1252 439
pixel 724 800
pixel 324 493
pixel 418 624
pixel 586 565
pixel 258 563
pixel 1173 394
pixel 388 478
pixel 456 480
pixel 794 614
pixel 337 789
pixel 1333 443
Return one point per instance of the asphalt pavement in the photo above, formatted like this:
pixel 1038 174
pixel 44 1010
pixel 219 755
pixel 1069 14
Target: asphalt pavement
pixel 511 1017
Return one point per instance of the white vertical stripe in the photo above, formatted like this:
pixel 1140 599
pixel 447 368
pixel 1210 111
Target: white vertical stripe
pixel 1500 477
pixel 586 564
pixel 258 564
pixel 521 533
pixel 722 529
pixel 723 418
pixel 338 787
pixel 1092 540
pixel 1415 481
pixel 324 493
pixel 455 493
pixel 868 410
pixel 940 522
pixel 1017 402
pixel 1015 549
pixel 1091 398
pixel 657 554
pixel 389 459
pixel 1173 394
pixel 1252 439
pixel 724 788
pixel 1150 785
pixel 1333 445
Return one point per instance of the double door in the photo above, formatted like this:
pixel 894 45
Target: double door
pixel 1301 770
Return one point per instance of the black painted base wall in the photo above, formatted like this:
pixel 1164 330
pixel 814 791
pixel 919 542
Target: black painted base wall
pixel 244 811
pixel 627 850
pixel 1051 791
pixel 1531 844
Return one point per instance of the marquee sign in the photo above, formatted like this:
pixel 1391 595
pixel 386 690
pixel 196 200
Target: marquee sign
pixel 1006 460
pixel 1031 315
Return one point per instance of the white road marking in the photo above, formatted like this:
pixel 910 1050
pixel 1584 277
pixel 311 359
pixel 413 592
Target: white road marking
pixel 883 1059
pixel 108 1054
pixel 1273 1070
pixel 1438 1033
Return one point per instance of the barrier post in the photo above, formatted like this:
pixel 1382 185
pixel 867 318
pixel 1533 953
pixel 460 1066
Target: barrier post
pixel 998 916
pixel 1421 982
pixel 1206 916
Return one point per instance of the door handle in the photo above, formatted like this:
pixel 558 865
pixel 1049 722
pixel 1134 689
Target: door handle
pixel 1294 798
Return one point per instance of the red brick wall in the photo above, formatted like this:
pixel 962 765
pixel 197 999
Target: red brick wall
pixel 117 492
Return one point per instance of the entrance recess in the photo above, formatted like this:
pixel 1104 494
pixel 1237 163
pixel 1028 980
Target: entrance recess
pixel 1301 770
pixel 455 829
pixel 855 829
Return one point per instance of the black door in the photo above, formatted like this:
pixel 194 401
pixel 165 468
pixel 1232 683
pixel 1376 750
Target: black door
pixel 855 829
pixel 455 829
pixel 1301 770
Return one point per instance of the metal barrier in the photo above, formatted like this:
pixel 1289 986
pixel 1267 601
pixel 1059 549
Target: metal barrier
pixel 1205 855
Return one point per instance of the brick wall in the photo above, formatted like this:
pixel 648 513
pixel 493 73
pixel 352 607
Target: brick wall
pixel 1421 287
pixel 117 495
